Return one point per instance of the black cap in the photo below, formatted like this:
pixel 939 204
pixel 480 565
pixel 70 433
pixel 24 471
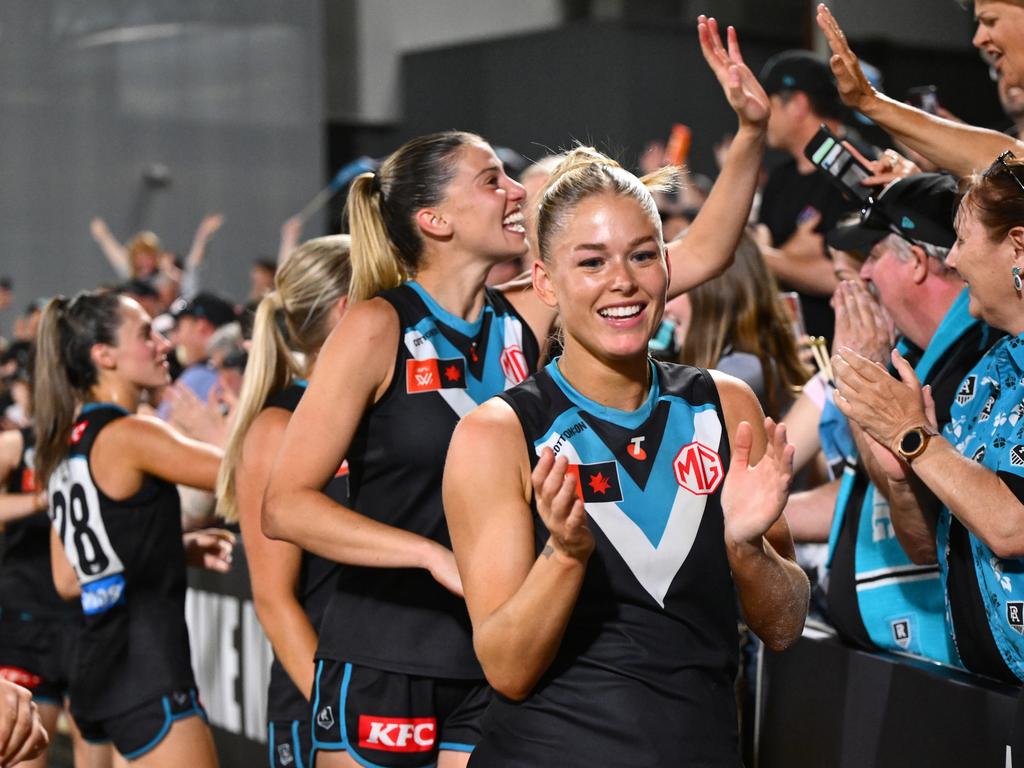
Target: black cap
pixel 800 70
pixel 919 208
pixel 206 305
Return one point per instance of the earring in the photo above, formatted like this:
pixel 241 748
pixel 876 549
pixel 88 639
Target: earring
pixel 1018 284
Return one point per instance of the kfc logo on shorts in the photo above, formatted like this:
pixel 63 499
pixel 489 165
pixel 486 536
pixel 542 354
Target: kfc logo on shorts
pixel 397 734
pixel 1015 615
pixel 513 364
pixel 698 469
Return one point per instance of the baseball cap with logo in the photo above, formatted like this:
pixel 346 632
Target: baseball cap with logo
pixel 205 305
pixel 918 208
pixel 800 70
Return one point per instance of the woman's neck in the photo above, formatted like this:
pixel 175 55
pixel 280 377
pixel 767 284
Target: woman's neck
pixel 620 384
pixel 456 283
pixel 117 392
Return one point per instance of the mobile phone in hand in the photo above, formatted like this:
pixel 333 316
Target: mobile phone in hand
pixel 833 158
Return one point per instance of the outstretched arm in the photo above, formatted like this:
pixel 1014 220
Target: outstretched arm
pixel 519 603
pixel 190 283
pixel 960 148
pixel 773 590
pixel 709 247
pixel 112 248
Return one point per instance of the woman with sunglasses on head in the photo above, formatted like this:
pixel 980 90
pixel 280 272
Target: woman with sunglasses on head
pixel 958 497
pixel 602 570
pixel 110 476
pixel 290 587
pixel 397 681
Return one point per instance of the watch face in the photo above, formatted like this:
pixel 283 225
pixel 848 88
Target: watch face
pixel 911 441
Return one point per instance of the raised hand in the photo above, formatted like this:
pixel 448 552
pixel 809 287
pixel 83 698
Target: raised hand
pixel 562 511
pixel 741 87
pixel 862 324
pixel 852 83
pixel 753 497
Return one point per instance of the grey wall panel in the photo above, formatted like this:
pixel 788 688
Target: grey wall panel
pixel 228 95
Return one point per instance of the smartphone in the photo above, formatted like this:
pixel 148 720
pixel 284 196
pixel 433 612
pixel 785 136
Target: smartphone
pixel 831 157
pixel 791 301
pixel 678 147
pixel 925 98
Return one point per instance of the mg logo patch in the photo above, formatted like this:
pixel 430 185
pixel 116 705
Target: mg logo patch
pixel 901 632
pixel 325 718
pixel 698 469
pixel 513 364
pixel 1015 615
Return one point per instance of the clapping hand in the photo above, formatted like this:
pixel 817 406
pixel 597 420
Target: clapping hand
pixel 753 497
pixel 744 92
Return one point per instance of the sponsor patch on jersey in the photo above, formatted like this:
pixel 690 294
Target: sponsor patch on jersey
pixel 434 374
pixel 635 449
pixel 597 482
pixel 28 480
pixel 21 677
pixel 397 734
pixel 966 391
pixel 103 594
pixel 77 431
pixel 513 364
pixel 1015 615
pixel 901 632
pixel 698 469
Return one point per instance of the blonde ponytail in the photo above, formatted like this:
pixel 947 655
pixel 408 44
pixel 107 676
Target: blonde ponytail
pixel 375 263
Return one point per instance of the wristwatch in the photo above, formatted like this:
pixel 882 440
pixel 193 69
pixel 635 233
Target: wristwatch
pixel 914 441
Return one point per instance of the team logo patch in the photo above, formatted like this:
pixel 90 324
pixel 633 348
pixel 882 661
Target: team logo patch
pixel 21 677
pixel 1015 615
pixel 78 431
pixel 28 480
pixel 103 594
pixel 513 363
pixel 597 482
pixel 966 392
pixel 635 449
pixel 434 374
pixel 1017 456
pixel 325 718
pixel 284 754
pixel 901 632
pixel 698 469
pixel 397 734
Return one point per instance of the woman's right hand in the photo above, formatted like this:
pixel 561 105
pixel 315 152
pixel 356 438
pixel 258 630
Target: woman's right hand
pixel 562 511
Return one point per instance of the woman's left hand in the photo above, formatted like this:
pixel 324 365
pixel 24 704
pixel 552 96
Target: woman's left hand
pixel 209 548
pixel 753 497
pixel 744 92
pixel 883 406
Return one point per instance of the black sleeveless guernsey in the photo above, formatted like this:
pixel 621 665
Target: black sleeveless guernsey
pixel 26 580
pixel 316 583
pixel 130 561
pixel 400 619
pixel 644 675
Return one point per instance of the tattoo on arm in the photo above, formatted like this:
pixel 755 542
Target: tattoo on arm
pixel 548 550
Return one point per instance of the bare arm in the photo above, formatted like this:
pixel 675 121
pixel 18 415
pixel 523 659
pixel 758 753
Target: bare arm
pixel 710 244
pixel 65 580
pixel 960 148
pixel 15 506
pixel 117 255
pixel 273 565
pixel 519 603
pixel 773 590
pixel 190 282
pixel 802 426
pixel 135 446
pixel 353 370
pixel 809 513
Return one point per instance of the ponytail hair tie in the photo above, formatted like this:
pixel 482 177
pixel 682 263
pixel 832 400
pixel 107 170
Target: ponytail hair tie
pixel 375 183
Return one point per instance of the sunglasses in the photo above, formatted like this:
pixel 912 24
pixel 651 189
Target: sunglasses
pixel 1000 164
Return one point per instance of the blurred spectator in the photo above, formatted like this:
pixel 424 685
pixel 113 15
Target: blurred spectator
pixel 261 278
pixel 798 204
pixel 739 326
pixel 1011 97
